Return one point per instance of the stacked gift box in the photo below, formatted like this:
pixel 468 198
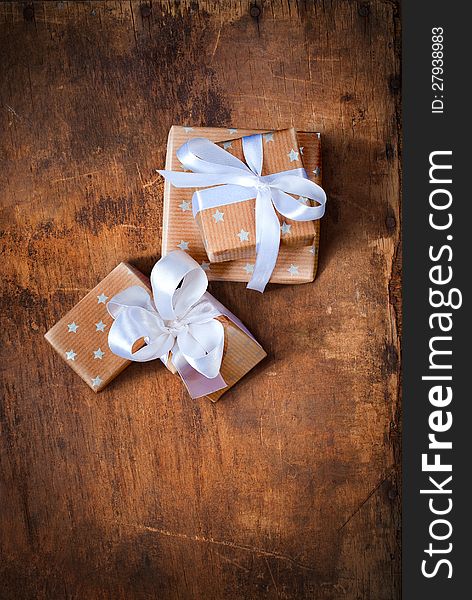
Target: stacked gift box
pixel 298 256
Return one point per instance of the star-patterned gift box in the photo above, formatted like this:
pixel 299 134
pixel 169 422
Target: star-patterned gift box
pixel 229 232
pixel 298 255
pixel 81 337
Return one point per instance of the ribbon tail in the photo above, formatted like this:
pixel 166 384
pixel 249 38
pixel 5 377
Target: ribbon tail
pixel 267 241
pixel 197 384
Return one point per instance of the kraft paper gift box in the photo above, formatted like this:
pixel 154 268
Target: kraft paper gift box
pixel 81 337
pixel 214 241
pixel 229 232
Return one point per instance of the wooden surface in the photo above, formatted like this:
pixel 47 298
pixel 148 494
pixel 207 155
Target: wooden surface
pixel 287 488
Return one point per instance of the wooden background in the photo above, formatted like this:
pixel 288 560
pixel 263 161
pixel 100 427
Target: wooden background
pixel 288 488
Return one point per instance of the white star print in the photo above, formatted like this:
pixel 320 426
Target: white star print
pixel 269 137
pixel 301 150
pixel 72 327
pixel 102 298
pixel 205 266
pixel 188 129
pixel 183 245
pixel 100 326
pixel 233 131
pixel 285 228
pixel 98 354
pixel 96 381
pixel 293 155
pixel 249 268
pixel 317 171
pixel 185 205
pixel 71 355
pixel 218 216
pixel 243 236
pixel 293 270
pixel 227 145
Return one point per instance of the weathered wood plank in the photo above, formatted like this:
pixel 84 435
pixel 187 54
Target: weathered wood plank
pixel 287 487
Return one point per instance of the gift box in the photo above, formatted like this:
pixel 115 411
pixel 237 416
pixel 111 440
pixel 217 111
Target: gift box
pixel 229 231
pixel 82 337
pixel 220 233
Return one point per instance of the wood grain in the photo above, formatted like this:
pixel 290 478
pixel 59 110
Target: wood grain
pixel 287 488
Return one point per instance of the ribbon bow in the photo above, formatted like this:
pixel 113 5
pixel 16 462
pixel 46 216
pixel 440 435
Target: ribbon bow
pixel 237 182
pixel 180 320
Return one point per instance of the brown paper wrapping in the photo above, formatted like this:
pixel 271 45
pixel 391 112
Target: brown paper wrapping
pixel 298 256
pixel 81 337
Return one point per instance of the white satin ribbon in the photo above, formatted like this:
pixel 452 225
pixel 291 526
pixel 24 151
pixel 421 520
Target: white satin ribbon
pixel 237 182
pixel 177 320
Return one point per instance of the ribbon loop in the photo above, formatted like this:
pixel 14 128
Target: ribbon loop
pixel 181 320
pixel 172 301
pixel 237 181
